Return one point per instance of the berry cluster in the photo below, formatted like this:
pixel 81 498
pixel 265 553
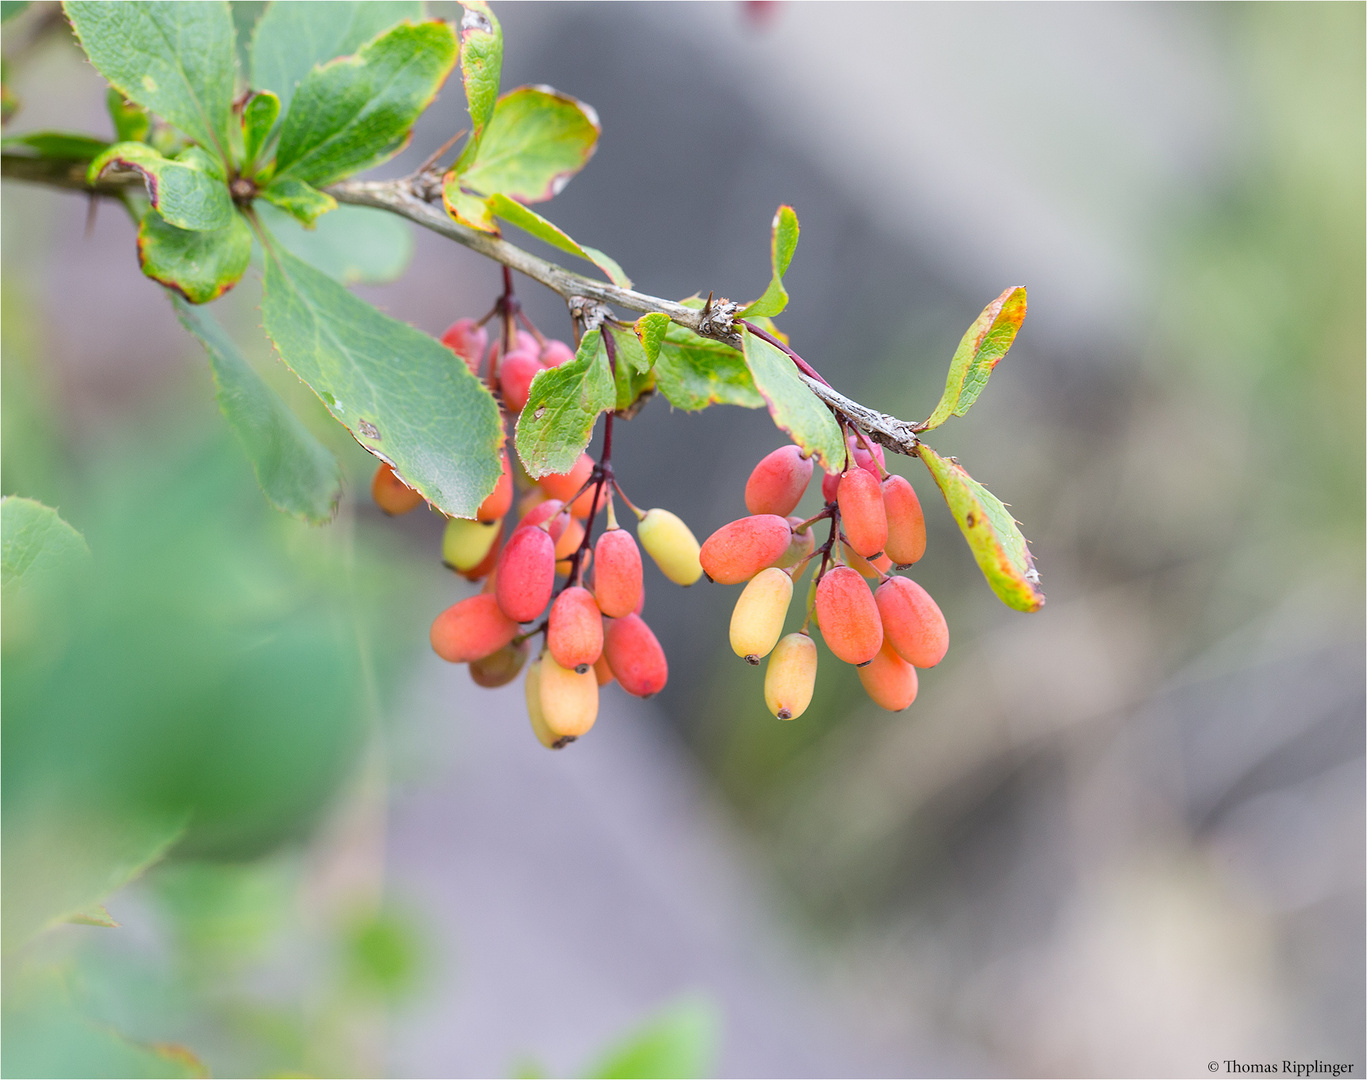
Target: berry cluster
pixel 593 631
pixel 875 522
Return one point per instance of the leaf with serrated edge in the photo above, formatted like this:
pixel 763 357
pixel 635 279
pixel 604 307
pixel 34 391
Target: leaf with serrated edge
pixel 481 63
pixel 177 59
pixel 470 210
pixel 302 201
pixel 982 347
pixel 793 406
pixel 354 244
pixel 782 244
pixel 36 545
pixel 529 221
pixel 694 372
pixel 199 265
pixel 296 472
pixel 186 195
pixel 563 405
pixel 258 118
pixel 357 111
pixel 650 330
pixel 404 396
pixel 292 36
pixel 537 139
pixel 1002 552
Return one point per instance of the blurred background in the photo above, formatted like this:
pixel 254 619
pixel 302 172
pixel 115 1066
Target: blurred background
pixel 1120 837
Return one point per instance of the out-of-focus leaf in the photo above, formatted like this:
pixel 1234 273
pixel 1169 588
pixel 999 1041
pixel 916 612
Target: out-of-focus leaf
pixel 179 60
pixel 681 1041
pixel 782 244
pixel 793 406
pixel 353 244
pixel 469 210
pixel 481 61
pixel 297 473
pixel 10 8
pixel 95 915
pixel 514 213
pixel 537 139
pixel 562 407
pixel 199 265
pixel 404 396
pixel 61 145
pixel 184 191
pixel 303 202
pixel 978 353
pixel 1002 552
pixel 258 117
pixel 650 330
pixel 37 549
pixel 294 35
pixel 357 111
pixel 130 119
pixel 694 372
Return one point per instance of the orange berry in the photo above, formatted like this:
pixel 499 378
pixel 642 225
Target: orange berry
pixel 848 616
pixel 526 574
pixel 471 629
pixel 791 676
pixel 912 621
pixel 565 486
pixel 889 680
pixel 635 656
pixel 548 738
pixel 617 578
pixel 569 699
pixel 500 500
pixel 738 551
pixel 575 632
pixel 570 538
pixel 391 494
pixel 776 484
pixel 862 517
pixel 906 523
pixel 873 569
pixel 602 671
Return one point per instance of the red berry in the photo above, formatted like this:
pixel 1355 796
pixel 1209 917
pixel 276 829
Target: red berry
pixel 906 524
pixel 515 375
pixel 889 680
pixel 859 456
pixel 912 621
pixel 777 483
pixel 635 656
pixel 391 494
pixel 617 580
pixel 501 498
pixel 526 574
pixel 848 616
pixel 554 353
pixel 548 510
pixel 740 550
pixel 468 340
pixel 471 630
pixel 862 516
pixel 575 633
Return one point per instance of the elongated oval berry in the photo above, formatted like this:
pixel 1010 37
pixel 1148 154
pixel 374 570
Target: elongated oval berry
pixel 912 621
pixel 738 551
pixel 757 619
pixel 554 353
pixel 848 616
pixel 565 486
pixel 671 544
pixel 862 516
pixel 574 635
pixel 776 484
pixel 485 567
pixel 873 569
pixel 602 670
pixel 617 580
pixel 569 699
pixel 570 538
pixel 468 340
pixel 501 667
pixel 465 544
pixel 791 676
pixel 889 680
pixel 526 574
pixel 859 456
pixel 906 523
pixel 635 656
pixel 548 510
pixel 548 738
pixel 391 494
pixel 500 500
pixel 473 628
pixel 799 547
pixel 515 374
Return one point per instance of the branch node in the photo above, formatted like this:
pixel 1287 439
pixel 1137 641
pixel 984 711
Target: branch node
pixel 590 313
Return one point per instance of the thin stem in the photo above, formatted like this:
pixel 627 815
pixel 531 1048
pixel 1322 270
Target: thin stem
pixel 825 512
pixel 801 364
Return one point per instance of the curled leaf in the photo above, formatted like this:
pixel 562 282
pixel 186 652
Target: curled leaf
pixel 981 349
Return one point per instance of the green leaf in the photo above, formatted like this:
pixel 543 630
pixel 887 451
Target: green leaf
pixel 61 145
pixel 681 1041
pixel 95 915
pixel 37 548
pixel 514 213
pixel 357 111
pixel 650 331
pixel 1002 552
pixel 177 59
pixel 404 396
pixel 294 35
pixel 10 8
pixel 302 201
pixel 631 376
pixel 200 265
pixel 978 353
pixel 562 407
pixel 537 139
pixel 791 403
pixel 353 244
pixel 470 210
pixel 258 118
pixel 782 244
pixel 481 61
pixel 183 191
pixel 130 120
pixel 297 473
pixel 694 372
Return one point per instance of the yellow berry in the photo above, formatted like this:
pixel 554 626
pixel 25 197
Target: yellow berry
pixel 464 544
pixel 757 620
pixel 791 676
pixel 671 544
